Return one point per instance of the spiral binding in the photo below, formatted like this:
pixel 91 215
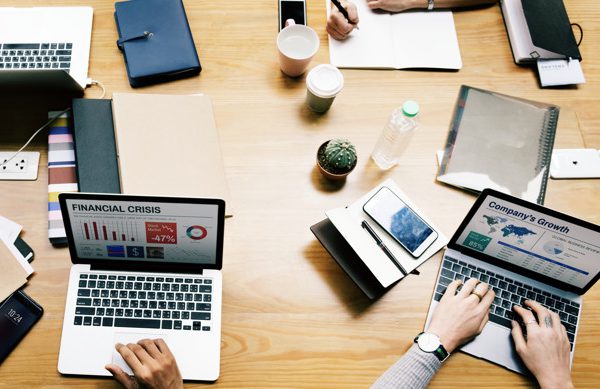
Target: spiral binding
pixel 546 145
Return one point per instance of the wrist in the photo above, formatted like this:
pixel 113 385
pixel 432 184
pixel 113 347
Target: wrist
pixel 445 339
pixel 554 383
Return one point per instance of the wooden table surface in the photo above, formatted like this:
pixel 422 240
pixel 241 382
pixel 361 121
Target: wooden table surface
pixel 291 317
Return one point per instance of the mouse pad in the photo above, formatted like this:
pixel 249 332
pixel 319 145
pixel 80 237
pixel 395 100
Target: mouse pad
pixel 130 337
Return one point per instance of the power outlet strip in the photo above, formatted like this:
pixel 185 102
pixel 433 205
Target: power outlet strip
pixel 24 166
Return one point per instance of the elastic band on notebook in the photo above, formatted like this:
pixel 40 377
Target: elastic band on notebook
pixel 580 31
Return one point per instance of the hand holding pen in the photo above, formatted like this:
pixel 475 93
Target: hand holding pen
pixel 343 19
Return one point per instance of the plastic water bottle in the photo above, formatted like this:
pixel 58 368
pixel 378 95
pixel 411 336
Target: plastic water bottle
pixel 396 135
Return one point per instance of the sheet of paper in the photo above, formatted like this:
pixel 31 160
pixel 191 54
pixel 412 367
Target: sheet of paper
pixel 9 231
pixel 12 276
pixel 363 244
pixel 425 39
pixel 554 72
pixel 403 40
pixel 370 46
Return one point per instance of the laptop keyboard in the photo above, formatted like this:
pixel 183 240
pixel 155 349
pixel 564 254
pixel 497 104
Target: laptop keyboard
pixel 508 293
pixel 169 303
pixel 36 56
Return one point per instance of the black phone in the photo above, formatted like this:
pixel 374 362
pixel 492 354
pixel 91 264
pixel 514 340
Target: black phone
pixel 18 313
pixel 292 9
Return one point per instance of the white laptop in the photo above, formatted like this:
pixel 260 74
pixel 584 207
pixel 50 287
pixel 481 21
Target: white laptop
pixel 143 267
pixel 523 251
pixel 45 46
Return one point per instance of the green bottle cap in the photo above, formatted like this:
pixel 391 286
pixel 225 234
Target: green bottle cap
pixel 410 108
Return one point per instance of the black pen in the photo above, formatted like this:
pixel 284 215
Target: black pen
pixel 343 11
pixel 382 246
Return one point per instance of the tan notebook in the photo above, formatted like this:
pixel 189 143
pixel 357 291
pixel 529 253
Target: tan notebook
pixel 12 276
pixel 168 145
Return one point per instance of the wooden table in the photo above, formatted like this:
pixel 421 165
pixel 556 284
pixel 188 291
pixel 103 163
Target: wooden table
pixel 291 317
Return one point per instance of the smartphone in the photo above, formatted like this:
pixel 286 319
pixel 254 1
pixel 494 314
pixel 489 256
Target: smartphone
pixel 18 313
pixel 292 9
pixel 400 221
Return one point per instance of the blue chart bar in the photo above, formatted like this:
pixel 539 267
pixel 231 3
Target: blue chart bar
pixel 544 258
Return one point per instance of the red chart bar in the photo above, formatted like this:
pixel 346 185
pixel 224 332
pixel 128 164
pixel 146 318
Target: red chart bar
pixel 114 235
pixel 104 231
pixel 123 236
pixel 95 230
pixel 87 231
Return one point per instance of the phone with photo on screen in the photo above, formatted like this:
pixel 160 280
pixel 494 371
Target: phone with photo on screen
pixel 292 9
pixel 400 221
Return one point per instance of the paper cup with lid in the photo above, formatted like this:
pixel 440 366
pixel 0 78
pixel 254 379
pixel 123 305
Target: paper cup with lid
pixel 323 84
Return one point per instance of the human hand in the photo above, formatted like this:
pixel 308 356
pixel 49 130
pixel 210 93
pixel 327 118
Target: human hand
pixel 546 350
pixel 396 5
pixel 337 25
pixel 152 363
pixel 461 316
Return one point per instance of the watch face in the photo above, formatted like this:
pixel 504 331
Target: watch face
pixel 428 342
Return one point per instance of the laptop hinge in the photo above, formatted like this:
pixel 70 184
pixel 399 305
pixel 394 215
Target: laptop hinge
pixel 137 268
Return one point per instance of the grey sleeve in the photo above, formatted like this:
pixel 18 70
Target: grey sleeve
pixel 414 370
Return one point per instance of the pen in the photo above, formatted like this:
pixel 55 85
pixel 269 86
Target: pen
pixel 343 11
pixel 382 246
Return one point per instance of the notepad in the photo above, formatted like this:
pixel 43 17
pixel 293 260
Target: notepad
pixel 168 145
pixel 500 142
pixel 413 39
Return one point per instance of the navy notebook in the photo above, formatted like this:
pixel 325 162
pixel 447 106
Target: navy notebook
pixel 156 41
pixel 96 154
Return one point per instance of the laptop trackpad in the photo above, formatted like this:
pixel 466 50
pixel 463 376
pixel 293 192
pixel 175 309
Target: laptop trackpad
pixel 130 337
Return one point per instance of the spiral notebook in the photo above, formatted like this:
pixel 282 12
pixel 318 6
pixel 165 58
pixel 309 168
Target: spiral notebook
pixel 500 142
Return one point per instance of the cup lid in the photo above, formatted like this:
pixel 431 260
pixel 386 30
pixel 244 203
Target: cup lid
pixel 325 81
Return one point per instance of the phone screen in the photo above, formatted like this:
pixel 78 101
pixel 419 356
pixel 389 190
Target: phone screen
pixel 17 316
pixel 401 222
pixel 291 10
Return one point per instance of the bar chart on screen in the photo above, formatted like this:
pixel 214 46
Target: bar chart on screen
pixel 114 230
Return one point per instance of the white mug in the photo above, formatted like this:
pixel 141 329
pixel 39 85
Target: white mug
pixel 297 45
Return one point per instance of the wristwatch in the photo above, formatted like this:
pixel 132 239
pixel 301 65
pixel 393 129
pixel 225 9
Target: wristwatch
pixel 430 343
pixel 429 5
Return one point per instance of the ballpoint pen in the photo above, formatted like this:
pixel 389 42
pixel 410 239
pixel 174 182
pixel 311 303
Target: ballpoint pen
pixel 382 246
pixel 343 11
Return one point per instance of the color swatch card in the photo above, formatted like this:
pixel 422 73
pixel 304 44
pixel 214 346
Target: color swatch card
pixel 62 176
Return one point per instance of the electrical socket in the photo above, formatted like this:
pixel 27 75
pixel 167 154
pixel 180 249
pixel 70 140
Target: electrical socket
pixel 24 166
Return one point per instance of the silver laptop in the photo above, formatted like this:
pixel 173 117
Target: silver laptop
pixel 45 47
pixel 143 267
pixel 523 251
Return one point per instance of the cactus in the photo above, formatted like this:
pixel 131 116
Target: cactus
pixel 339 156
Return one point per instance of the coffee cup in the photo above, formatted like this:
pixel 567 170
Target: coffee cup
pixel 297 45
pixel 323 84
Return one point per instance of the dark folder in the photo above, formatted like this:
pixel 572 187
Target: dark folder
pixel 550 28
pixel 95 150
pixel 347 259
pixel 156 41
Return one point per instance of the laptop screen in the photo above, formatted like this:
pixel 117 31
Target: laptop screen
pixel 526 236
pixel 153 231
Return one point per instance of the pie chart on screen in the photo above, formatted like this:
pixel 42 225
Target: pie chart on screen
pixel 196 232
pixel 553 247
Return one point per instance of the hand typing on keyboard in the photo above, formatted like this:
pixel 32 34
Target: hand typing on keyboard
pixel 546 349
pixel 461 316
pixel 152 363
